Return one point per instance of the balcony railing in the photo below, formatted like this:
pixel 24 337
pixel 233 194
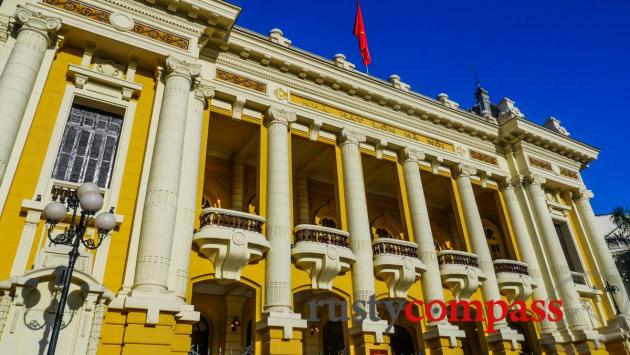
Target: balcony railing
pixel 510 266
pixel 320 234
pixel 578 278
pixel 395 247
pixel 457 257
pixel 60 192
pixel 213 216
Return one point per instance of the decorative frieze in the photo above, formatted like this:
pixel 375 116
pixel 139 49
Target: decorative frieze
pixel 104 16
pixel 241 81
pixel 482 157
pixel 539 163
pixel 333 111
pixel 569 173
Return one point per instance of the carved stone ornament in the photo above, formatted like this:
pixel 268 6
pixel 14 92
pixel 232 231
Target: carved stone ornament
pixel 462 170
pixel 180 67
pixel 533 179
pixel 351 136
pixel 107 67
pixel 203 92
pixel 47 26
pixel 121 22
pixel 278 115
pixel 410 154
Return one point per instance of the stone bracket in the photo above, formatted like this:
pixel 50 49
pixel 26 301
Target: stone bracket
pixel 154 304
pixel 378 327
pixel 287 321
pixel 444 330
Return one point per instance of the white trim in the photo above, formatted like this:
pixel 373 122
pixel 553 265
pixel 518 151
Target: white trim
pixel 132 253
pixel 25 127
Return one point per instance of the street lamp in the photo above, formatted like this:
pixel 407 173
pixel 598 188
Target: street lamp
pixel 612 289
pixel 89 198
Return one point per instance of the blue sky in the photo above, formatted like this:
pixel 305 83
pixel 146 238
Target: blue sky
pixel 567 59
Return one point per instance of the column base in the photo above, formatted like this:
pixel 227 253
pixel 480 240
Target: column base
pixel 281 333
pixel 443 338
pixel 617 334
pixel 553 343
pixel 369 337
pixel 505 341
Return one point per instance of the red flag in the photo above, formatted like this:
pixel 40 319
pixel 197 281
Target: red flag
pixel 359 32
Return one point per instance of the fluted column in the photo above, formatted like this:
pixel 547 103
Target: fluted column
pixel 431 281
pixel 160 207
pixel 576 317
pixel 278 261
pixel 357 212
pixel 601 251
pixel 238 176
pixel 20 72
pixel 526 248
pixel 477 236
pixel 302 195
pixel 188 188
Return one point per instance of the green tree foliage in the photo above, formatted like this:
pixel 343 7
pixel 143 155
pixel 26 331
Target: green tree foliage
pixel 621 236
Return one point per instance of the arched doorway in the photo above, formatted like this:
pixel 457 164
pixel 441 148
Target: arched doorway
pixel 529 346
pixel 401 342
pixel 200 337
pixel 472 344
pixel 332 336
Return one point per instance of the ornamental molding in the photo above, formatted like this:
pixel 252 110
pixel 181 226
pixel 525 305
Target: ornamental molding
pixel 401 120
pixel 241 81
pixel 104 16
pixel 412 155
pixel 151 13
pixel 572 174
pixel 539 163
pixel 181 67
pixel 482 157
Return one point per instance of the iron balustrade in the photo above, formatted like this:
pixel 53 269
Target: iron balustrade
pixel 231 219
pixel 458 258
pixel 319 234
pixel 395 247
pixel 510 266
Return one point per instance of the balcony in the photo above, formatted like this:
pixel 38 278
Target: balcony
pixel 460 273
pixel 322 252
pixel 231 240
pixel 396 262
pixel 513 279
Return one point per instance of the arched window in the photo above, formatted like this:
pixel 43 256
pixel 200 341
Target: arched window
pixel 200 337
pixel 383 233
pixel 332 337
pixel 328 222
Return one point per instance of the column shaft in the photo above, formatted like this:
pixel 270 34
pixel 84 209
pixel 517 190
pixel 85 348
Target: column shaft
pixel 431 280
pixel 19 75
pixel 477 236
pixel 576 317
pixel 238 176
pixel 526 248
pixel 302 195
pixel 160 207
pixel 187 201
pixel 602 253
pixel 278 261
pixel 358 221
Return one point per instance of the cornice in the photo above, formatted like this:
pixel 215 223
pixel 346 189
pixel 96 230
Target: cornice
pixel 377 112
pixel 150 12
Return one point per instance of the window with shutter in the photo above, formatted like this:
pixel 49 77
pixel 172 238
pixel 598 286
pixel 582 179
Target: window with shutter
pixel 88 147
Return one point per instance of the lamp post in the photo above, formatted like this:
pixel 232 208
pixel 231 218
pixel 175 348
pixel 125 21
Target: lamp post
pixel 90 200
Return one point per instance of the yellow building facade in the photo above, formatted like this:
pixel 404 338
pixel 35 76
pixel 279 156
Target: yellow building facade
pixel 261 192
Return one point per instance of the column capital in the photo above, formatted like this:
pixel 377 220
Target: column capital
pixel 282 116
pixel 349 136
pixel 179 67
pixel 582 194
pixel 413 155
pixel 533 179
pixel 505 183
pixel 463 170
pixel 45 25
pixel 203 92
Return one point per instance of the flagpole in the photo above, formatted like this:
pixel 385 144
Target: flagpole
pixel 367 70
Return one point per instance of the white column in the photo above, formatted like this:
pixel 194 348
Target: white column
pixel 160 207
pixel 576 317
pixel 478 241
pixel 304 216
pixel 278 261
pixel 358 221
pixel 421 224
pixel 188 188
pixel 601 251
pixel 238 176
pixel 526 249
pixel 19 75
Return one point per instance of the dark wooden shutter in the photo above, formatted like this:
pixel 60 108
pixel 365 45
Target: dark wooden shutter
pixel 88 148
